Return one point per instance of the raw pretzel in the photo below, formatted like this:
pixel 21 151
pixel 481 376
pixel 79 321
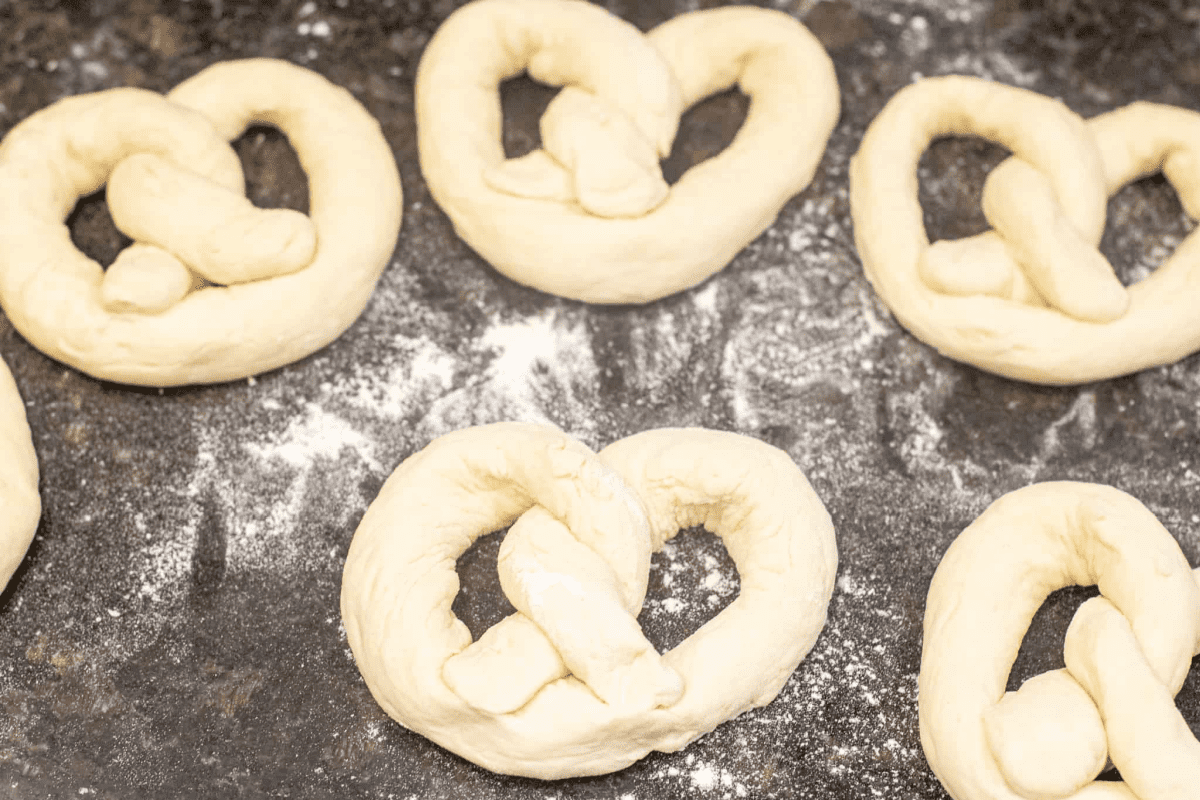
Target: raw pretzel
pixel 590 217
pixel 291 285
pixel 1034 299
pixel 1127 653
pixel 569 686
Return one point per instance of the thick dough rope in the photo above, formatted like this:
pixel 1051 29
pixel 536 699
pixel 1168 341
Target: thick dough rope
pixel 589 217
pixel 20 505
pixel 1034 299
pixel 569 686
pixel 1127 653
pixel 287 285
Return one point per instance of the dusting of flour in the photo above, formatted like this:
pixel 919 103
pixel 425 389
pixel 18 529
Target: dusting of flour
pixel 305 455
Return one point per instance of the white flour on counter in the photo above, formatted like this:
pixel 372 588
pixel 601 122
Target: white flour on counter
pixel 309 459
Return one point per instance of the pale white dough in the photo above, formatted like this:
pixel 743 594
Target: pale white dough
pixel 226 239
pixel 568 686
pixel 145 278
pixel 53 293
pixel 1040 304
pixel 20 505
pixel 1127 653
pixel 590 217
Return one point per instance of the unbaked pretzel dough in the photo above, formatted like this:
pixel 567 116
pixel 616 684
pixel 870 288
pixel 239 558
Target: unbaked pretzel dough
pixel 1127 653
pixel 1040 304
pixel 569 686
pixel 145 324
pixel 589 217
pixel 20 505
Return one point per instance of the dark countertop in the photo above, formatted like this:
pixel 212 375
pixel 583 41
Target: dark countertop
pixel 174 631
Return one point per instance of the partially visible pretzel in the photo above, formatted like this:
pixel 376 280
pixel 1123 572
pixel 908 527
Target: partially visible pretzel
pixel 569 685
pixel 1127 653
pixel 20 505
pixel 285 286
pixel 589 216
pixel 1034 299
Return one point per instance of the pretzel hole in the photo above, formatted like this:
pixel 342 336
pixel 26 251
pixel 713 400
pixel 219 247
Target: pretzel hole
pixel 705 130
pixel 692 579
pixel 480 602
pixel 951 174
pixel 1188 699
pixel 93 232
pixel 274 177
pixel 1145 223
pixel 523 100
pixel 1042 648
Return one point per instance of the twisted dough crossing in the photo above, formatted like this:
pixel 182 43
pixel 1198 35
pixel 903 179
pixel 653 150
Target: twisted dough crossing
pixel 569 685
pixel 589 216
pixel 290 284
pixel 1127 653
pixel 1034 299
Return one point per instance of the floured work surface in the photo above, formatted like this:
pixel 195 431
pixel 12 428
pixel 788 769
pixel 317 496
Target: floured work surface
pixel 175 624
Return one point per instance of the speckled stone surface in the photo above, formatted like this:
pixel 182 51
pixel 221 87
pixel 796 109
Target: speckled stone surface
pixel 174 631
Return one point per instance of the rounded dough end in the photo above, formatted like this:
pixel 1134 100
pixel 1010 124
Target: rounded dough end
pixel 144 279
pixel 1047 737
pixel 262 244
pixel 980 265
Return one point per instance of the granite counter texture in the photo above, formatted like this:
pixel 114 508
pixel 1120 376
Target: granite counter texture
pixel 174 631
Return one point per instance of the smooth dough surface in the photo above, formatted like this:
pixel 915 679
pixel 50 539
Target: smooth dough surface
pixel 20 505
pixel 620 82
pixel 52 292
pixel 1041 304
pixel 1052 737
pixel 400 581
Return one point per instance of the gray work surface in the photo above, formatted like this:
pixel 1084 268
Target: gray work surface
pixel 174 630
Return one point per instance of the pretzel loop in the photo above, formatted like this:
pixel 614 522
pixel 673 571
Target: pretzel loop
pixel 288 284
pixel 1127 652
pixel 589 215
pixel 1034 299
pixel 569 685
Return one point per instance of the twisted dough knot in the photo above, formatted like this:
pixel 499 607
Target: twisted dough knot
pixel 20 506
pixel 1033 299
pixel 214 288
pixel 569 685
pixel 589 216
pixel 1127 653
